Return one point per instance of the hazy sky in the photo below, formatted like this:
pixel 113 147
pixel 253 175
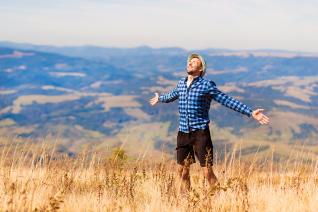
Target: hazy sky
pixel 234 24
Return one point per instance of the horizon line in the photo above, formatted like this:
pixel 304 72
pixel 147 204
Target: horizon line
pixel 151 47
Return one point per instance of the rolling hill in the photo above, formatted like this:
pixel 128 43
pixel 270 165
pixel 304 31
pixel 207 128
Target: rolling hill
pixel 96 95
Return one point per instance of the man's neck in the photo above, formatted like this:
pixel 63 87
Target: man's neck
pixel 191 77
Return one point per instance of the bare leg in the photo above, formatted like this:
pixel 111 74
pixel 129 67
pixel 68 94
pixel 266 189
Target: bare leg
pixel 184 173
pixel 210 176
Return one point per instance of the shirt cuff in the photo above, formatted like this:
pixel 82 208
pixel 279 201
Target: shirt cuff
pixel 160 98
pixel 249 112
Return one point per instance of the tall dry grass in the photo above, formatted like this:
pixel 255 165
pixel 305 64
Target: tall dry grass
pixel 33 177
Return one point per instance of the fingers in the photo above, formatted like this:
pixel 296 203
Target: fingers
pixel 263 119
pixel 263 122
pixel 153 103
pixel 154 100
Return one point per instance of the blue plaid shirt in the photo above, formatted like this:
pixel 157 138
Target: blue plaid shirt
pixel 195 101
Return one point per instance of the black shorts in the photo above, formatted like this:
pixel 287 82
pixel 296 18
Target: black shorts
pixel 197 143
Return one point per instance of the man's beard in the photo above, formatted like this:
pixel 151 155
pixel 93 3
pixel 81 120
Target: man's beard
pixel 191 71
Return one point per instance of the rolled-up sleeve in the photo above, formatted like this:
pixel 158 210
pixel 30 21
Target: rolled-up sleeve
pixel 229 101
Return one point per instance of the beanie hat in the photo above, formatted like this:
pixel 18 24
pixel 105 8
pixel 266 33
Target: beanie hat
pixel 194 55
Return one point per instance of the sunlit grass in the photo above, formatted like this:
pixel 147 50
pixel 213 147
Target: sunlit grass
pixel 34 177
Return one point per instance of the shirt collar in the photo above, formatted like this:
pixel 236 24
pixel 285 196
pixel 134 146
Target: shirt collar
pixel 194 79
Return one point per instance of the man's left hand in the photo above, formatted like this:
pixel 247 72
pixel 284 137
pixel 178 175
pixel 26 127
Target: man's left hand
pixel 260 117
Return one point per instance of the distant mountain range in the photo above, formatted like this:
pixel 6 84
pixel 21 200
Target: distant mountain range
pixel 97 52
pixel 100 95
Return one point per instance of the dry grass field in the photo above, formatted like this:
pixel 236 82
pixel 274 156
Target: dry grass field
pixel 34 177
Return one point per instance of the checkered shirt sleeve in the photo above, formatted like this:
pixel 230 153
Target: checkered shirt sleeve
pixel 169 97
pixel 229 101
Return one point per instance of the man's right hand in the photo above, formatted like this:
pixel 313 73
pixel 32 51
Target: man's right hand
pixel 154 100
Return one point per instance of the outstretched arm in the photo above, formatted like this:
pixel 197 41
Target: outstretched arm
pixel 236 105
pixel 166 98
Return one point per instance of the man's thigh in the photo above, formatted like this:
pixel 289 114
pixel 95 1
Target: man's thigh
pixel 185 153
pixel 203 147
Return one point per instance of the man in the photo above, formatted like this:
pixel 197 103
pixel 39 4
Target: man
pixel 195 95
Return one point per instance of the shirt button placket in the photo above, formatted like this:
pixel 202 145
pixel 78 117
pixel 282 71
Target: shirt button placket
pixel 187 105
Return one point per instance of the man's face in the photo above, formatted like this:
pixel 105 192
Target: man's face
pixel 194 66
